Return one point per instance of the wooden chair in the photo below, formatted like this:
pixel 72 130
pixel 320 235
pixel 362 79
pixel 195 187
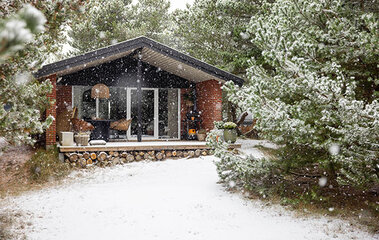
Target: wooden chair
pixel 121 125
pixel 80 125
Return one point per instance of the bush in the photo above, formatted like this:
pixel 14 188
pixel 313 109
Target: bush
pixel 44 166
pixel 219 124
pixel 318 88
pixel 245 172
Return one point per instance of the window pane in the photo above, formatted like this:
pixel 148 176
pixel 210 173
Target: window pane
pixel 83 102
pixel 147 112
pixel 117 103
pixel 168 113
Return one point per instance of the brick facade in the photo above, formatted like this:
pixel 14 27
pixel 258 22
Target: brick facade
pixel 52 110
pixel 64 98
pixel 183 109
pixel 209 102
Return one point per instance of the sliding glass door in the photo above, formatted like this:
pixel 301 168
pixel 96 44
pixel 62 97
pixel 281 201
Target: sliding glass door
pixel 160 111
pixel 149 113
pixel 168 110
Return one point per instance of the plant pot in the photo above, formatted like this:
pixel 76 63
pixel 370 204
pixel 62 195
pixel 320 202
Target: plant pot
pixel 201 136
pixel 81 139
pixel 66 138
pixel 230 135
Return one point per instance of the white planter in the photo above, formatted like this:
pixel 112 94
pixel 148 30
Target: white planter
pixel 67 138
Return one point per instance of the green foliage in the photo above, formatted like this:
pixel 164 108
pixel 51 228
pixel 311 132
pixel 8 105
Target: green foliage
pixel 308 197
pixel 102 23
pixel 246 172
pixel 215 32
pixel 24 46
pixel 318 87
pixel 44 166
pixel 219 124
pixel 224 125
pixel 18 30
pixel 229 125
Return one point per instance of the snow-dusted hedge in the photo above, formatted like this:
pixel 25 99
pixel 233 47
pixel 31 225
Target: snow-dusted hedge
pixel 318 87
pixel 234 170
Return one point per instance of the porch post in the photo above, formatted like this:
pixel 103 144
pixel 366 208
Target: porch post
pixel 51 132
pixel 139 97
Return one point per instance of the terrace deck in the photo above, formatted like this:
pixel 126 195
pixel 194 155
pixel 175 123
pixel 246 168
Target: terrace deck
pixel 141 146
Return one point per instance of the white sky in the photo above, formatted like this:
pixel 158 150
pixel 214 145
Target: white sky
pixel 180 4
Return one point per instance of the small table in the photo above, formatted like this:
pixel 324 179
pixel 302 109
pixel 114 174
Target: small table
pixel 101 131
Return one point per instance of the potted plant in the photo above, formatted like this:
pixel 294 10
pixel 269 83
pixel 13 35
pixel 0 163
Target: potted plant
pixel 201 135
pixel 219 124
pixel 82 138
pixel 230 133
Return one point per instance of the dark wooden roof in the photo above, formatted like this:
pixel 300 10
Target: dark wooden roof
pixel 153 53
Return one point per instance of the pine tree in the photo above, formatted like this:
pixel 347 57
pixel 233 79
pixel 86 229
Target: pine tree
pixel 318 95
pixel 24 46
pixel 215 32
pixel 103 23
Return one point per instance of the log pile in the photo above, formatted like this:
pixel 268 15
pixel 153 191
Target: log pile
pixel 111 158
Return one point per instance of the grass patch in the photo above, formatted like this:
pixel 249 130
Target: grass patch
pixel 44 166
pixel 306 197
pixel 40 169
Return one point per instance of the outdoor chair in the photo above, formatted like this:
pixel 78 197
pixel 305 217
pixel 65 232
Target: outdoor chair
pixel 121 125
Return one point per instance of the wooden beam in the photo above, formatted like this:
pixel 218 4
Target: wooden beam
pixel 139 96
pixel 146 147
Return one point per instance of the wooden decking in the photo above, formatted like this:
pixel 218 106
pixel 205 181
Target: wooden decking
pixel 141 146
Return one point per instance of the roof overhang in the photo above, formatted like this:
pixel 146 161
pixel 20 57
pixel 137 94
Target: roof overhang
pixel 151 52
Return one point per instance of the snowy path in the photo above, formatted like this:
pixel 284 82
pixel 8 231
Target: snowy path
pixel 173 199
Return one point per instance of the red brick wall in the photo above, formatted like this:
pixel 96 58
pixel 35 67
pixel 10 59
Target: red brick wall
pixel 64 98
pixel 51 131
pixel 183 109
pixel 209 102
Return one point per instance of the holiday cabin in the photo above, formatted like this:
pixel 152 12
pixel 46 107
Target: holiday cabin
pixel 167 95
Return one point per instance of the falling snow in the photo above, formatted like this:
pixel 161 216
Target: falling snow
pixel 322 181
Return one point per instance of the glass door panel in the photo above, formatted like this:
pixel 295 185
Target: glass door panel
pixel 117 111
pixel 168 113
pixel 148 113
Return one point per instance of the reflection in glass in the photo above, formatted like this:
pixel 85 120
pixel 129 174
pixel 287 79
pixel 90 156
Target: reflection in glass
pixel 168 113
pixel 147 112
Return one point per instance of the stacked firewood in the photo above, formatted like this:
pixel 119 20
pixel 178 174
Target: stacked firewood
pixel 112 158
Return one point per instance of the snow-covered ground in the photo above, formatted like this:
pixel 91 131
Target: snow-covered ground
pixel 173 199
pixel 249 146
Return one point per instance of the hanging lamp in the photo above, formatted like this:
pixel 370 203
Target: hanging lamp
pixel 100 91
